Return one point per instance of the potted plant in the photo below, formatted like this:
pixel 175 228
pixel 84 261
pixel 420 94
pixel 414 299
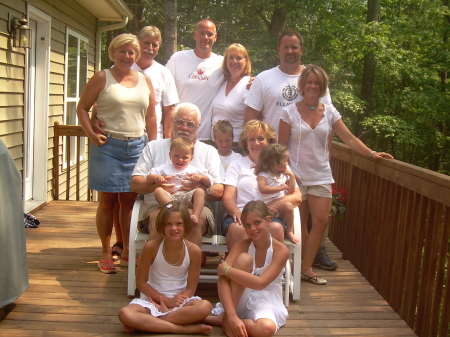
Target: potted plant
pixel 338 199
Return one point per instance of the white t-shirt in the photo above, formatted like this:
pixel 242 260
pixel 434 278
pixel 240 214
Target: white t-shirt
pixel 156 153
pixel 226 161
pixel 273 181
pixel 241 175
pixel 178 176
pixel 308 148
pixel 164 89
pixel 231 107
pixel 271 91
pixel 197 81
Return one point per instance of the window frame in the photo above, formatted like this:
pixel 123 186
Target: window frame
pixel 74 99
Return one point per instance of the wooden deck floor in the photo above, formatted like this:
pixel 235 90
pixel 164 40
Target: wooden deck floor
pixel 68 296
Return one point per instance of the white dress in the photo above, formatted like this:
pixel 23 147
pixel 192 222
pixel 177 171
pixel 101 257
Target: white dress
pixel 167 279
pixel 266 303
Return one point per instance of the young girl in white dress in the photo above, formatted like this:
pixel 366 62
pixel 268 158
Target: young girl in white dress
pixel 249 282
pixel 275 180
pixel 167 277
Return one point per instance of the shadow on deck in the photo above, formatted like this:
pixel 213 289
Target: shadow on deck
pixel 68 296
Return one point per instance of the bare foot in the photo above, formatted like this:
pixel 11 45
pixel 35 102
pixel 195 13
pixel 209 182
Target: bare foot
pixel 129 329
pixel 292 237
pixel 214 320
pixel 194 219
pixel 197 329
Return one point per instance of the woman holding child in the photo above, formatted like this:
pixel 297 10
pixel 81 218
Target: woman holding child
pixel 241 184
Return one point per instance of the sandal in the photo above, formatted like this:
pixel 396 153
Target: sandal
pixel 107 266
pixel 116 254
pixel 124 262
pixel 314 279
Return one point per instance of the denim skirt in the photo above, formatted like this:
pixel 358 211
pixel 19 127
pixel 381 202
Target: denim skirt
pixel 111 165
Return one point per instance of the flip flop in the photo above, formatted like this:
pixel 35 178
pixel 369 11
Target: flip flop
pixel 107 266
pixel 115 253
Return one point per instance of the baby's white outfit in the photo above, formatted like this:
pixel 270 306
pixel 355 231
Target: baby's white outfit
pixel 273 181
pixel 167 279
pixel 265 303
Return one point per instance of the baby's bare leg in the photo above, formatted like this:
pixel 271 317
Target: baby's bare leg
pixel 198 201
pixel 161 196
pixel 287 214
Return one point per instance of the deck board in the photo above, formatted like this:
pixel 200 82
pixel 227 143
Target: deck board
pixel 68 296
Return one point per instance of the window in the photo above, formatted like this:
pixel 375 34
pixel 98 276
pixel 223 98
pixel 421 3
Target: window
pixel 76 79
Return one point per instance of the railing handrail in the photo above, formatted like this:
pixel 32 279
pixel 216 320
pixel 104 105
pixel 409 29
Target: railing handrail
pixel 396 231
pixel 68 131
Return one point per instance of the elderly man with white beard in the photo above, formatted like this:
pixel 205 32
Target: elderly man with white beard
pixel 186 121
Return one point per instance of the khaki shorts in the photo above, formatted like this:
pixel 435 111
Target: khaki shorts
pixel 146 210
pixel 317 190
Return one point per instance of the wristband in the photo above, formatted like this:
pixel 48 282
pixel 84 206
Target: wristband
pixel 371 154
pixel 226 270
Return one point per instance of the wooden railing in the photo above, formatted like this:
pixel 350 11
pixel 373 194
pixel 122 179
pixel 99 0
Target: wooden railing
pixel 396 231
pixel 72 171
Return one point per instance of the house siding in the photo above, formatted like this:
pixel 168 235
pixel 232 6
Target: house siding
pixel 64 14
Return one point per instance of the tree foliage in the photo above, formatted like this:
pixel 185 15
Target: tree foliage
pixel 409 112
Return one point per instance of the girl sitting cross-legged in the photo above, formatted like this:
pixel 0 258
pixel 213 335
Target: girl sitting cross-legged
pixel 167 277
pixel 249 282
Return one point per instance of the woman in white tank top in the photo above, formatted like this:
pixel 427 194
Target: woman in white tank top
pixel 125 102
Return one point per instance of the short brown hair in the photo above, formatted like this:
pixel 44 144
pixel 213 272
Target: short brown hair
pixel 270 157
pixel 172 207
pixel 223 126
pixel 256 125
pixel 182 143
pixel 236 47
pixel 321 75
pixel 291 33
pixel 121 40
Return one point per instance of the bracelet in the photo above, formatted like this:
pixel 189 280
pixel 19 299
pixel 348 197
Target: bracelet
pixel 371 153
pixel 226 270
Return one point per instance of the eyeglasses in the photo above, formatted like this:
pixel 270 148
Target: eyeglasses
pixel 181 122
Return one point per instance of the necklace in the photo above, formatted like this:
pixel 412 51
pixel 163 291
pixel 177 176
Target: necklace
pixel 165 258
pixel 311 107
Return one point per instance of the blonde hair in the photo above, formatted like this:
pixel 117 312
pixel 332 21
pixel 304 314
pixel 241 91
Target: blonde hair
pixel 270 157
pixel 321 75
pixel 240 49
pixel 183 144
pixel 151 31
pixel 257 207
pixel 121 40
pixel 255 125
pixel 172 207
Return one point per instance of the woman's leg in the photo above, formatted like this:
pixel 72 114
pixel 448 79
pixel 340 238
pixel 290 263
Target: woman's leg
pixel 235 234
pixel 320 209
pixel 126 200
pixel 277 231
pixel 104 222
pixel 135 317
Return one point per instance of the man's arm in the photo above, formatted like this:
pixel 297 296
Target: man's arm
pixel 166 120
pixel 251 113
